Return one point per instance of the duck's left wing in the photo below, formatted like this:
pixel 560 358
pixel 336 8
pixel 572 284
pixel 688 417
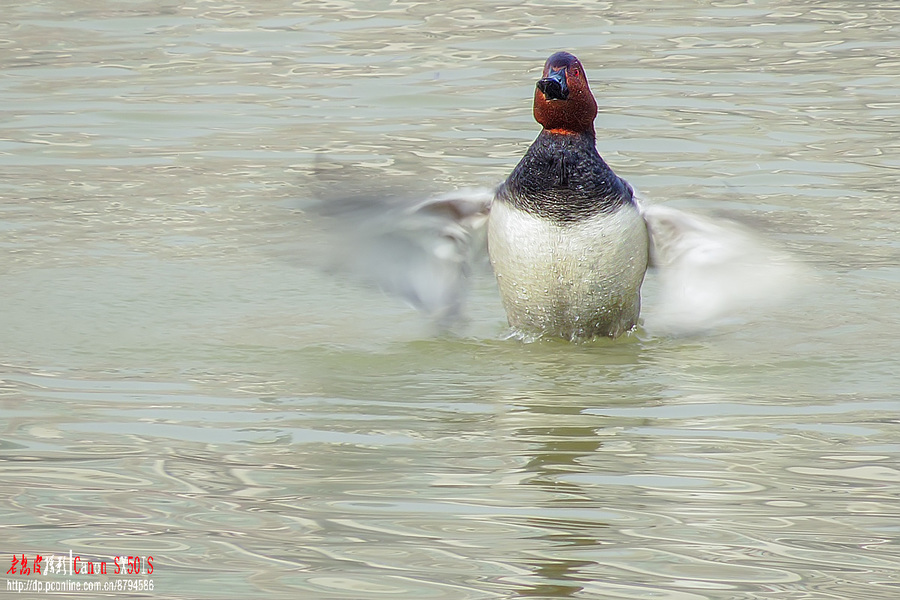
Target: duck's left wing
pixel 713 270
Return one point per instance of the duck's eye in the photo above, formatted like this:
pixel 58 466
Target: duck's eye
pixel 574 72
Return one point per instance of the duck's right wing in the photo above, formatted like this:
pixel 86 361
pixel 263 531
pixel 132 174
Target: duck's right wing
pixel 422 251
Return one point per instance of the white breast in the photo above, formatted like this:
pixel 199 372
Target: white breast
pixel 573 281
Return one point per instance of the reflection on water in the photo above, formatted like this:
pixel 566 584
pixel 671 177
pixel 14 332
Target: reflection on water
pixel 180 380
pixel 489 493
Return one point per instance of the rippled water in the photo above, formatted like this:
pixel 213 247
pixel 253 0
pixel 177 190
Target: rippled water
pixel 180 379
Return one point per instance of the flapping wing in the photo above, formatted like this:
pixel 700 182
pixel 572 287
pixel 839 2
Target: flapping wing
pixel 712 271
pixel 422 251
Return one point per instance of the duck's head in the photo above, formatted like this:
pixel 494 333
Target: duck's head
pixel 563 102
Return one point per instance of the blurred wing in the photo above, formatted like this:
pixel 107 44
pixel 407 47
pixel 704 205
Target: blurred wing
pixel 421 251
pixel 712 271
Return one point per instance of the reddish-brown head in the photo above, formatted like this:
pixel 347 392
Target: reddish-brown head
pixel 563 102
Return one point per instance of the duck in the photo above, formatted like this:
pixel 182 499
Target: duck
pixel 568 240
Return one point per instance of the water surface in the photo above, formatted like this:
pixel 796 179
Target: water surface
pixel 180 378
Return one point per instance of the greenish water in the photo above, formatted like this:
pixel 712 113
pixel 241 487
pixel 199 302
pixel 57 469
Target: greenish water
pixel 181 380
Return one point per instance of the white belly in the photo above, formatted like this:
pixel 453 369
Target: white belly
pixel 573 281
